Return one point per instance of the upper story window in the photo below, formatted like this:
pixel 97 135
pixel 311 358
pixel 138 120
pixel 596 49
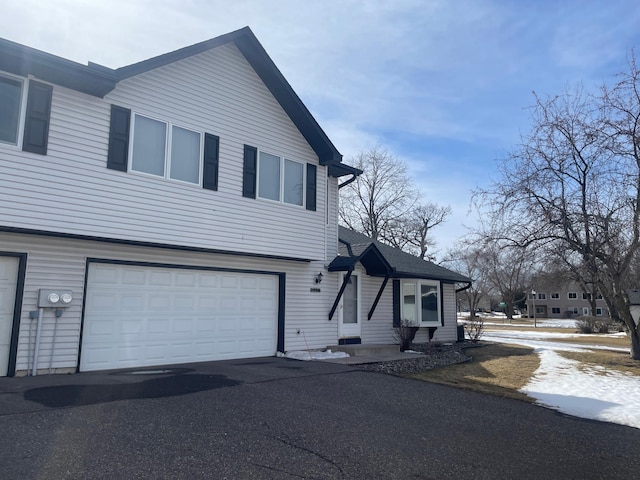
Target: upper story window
pixel 166 150
pixel 159 148
pixel 555 296
pixel 280 179
pixel 24 119
pixel 586 296
pixel 10 109
pixel 542 296
pixel 572 295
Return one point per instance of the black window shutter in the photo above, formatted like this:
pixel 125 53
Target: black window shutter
pixel 249 171
pixel 119 138
pixel 36 125
pixel 396 303
pixel 311 187
pixel 210 164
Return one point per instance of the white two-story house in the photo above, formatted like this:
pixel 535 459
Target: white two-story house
pixel 182 209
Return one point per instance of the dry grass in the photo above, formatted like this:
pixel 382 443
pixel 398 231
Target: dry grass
pixel 513 328
pixel 496 369
pixel 616 361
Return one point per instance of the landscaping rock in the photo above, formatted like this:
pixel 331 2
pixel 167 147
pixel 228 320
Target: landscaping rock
pixel 433 356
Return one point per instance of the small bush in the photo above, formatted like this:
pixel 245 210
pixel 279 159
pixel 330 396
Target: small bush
pixel 474 328
pixel 596 325
pixel 404 334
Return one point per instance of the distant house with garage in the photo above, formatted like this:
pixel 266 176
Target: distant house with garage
pixel 183 209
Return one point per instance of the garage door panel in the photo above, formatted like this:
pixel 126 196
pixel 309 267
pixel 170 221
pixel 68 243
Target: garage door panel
pixel 144 316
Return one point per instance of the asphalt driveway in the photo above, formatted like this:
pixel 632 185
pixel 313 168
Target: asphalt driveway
pixel 274 418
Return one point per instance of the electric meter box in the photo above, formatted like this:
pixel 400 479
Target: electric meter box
pixel 54 298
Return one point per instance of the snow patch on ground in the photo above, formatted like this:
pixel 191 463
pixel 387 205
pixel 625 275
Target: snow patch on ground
pixel 311 355
pixel 593 393
pixel 562 384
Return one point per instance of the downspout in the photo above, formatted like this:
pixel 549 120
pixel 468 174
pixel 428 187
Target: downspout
pixel 34 370
pixel 347 182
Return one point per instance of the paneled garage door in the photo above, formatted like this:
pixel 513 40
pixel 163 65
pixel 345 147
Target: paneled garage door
pixel 139 316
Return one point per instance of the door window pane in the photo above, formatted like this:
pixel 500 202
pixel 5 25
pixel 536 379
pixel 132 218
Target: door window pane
pixel 409 302
pixel 269 176
pixel 10 95
pixel 293 178
pixel 149 143
pixel 429 303
pixel 350 301
pixel 185 155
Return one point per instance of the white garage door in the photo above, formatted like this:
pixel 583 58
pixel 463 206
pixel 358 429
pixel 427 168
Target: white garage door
pixel 8 281
pixel 142 316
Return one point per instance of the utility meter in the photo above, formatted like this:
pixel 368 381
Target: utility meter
pixel 54 298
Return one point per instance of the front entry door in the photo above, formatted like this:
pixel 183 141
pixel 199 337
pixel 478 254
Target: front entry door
pixel 349 318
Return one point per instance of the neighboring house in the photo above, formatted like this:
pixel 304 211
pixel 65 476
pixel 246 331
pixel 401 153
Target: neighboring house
pixel 180 209
pixel 564 301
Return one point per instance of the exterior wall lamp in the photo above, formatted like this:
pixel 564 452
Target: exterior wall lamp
pixel 318 278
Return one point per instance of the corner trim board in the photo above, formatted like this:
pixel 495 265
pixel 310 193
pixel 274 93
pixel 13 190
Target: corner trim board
pixel 17 310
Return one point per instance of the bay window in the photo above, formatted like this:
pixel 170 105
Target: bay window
pixel 420 302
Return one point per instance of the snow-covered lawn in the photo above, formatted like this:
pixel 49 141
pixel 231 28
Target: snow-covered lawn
pixel 565 385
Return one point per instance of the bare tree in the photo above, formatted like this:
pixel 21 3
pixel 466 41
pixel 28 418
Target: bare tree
pixel 573 186
pixel 379 198
pixel 383 203
pixel 469 260
pixel 413 232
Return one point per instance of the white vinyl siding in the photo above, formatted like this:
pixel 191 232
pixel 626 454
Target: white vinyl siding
pixel 215 92
pixel 60 264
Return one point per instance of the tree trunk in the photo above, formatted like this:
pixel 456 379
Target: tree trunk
pixel 635 343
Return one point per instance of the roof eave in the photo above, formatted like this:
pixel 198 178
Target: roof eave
pixel 25 61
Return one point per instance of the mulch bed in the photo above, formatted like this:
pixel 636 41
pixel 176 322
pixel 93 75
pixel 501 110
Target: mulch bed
pixel 434 356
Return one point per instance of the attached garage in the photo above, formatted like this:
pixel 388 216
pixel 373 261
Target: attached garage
pixel 138 315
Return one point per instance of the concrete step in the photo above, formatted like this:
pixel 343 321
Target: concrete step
pixel 366 349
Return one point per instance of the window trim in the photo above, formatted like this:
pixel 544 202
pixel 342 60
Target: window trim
pixel 24 90
pixel 542 296
pixel 555 296
pixel 282 160
pixel 555 310
pixel 418 309
pixel 569 297
pixel 167 149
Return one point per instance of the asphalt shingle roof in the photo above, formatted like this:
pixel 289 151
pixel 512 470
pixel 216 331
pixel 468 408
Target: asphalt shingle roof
pixel 352 244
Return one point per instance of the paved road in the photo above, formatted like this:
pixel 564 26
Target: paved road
pixel 281 419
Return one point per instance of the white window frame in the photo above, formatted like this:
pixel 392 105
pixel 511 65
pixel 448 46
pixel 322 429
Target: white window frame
pixel 167 149
pixel 599 311
pixel 418 303
pixel 585 311
pixel 575 295
pixel 574 310
pixel 281 190
pixel 586 296
pixel 555 296
pixel 23 111
pixel 542 296
pixel 555 310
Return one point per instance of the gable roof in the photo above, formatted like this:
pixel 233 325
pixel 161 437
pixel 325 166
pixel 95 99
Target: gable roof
pixel 97 80
pixel 403 264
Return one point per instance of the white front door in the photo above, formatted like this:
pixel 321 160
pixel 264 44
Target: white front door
pixel 8 282
pixel 349 317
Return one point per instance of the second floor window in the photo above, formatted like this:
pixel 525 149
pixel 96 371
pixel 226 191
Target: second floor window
pixel 10 107
pixel 169 151
pixel 280 179
pixel 572 295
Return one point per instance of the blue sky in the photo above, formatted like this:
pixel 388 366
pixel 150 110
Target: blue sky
pixel 443 85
